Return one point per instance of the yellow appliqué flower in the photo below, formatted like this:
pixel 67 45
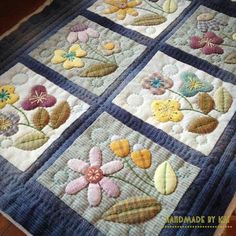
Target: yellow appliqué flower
pixel 7 95
pixel 122 8
pixel 167 110
pixel 70 59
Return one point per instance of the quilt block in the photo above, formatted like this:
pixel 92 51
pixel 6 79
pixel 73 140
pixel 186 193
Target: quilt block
pixel 111 176
pixel 147 17
pixel 188 104
pixel 88 54
pixel 33 113
pixel 209 35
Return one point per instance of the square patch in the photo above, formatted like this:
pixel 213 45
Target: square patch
pixel 88 54
pixel 188 104
pixel 116 182
pixel 33 113
pixel 210 35
pixel 149 18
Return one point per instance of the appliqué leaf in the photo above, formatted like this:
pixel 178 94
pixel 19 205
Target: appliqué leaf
pixel 99 70
pixel 203 125
pixel 165 179
pixel 60 114
pixel 148 20
pixel 206 103
pixel 133 210
pixel 41 118
pixel 231 58
pixel 223 99
pixel 31 141
pixel 170 6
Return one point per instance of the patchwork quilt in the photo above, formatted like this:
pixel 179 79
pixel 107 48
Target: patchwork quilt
pixel 118 117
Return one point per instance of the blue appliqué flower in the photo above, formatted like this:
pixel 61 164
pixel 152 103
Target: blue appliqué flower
pixel 193 85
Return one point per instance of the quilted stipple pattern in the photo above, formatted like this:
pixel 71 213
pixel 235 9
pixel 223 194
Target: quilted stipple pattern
pixel 116 115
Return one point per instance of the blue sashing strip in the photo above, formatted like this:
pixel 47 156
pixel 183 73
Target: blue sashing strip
pixel 22 195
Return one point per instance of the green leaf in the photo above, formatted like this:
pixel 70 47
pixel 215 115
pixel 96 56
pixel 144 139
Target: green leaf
pixel 133 210
pixel 148 20
pixel 170 6
pixel 60 114
pixel 165 179
pixel 99 70
pixel 203 125
pixel 31 141
pixel 223 99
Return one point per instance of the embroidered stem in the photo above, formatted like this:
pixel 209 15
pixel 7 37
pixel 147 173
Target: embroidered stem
pixel 144 9
pixel 125 181
pixel 32 127
pixel 227 45
pixel 28 123
pixel 96 59
pixel 146 174
pixel 157 7
pixel 190 104
pixel 196 111
pixel 131 168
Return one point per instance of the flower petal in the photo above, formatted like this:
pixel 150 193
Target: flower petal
pixel 132 12
pixel 121 14
pixel 94 194
pixel 78 165
pixel 134 3
pixel 58 56
pixel 2 104
pixel 49 102
pixel 76 185
pixel 214 38
pixel 92 33
pixel 95 157
pixel 12 99
pixel 83 36
pixel 77 62
pixel 8 88
pixel 110 187
pixel 212 50
pixel 112 167
pixel 111 2
pixel 111 10
pixel 196 42
pixel 72 37
pixel 78 51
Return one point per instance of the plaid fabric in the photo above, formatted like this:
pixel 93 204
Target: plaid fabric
pixel 120 147
pixel 205 26
pixel 142 158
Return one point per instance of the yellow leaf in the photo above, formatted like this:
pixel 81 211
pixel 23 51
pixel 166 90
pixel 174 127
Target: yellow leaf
pixel 170 6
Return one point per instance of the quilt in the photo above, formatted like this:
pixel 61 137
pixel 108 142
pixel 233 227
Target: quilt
pixel 118 117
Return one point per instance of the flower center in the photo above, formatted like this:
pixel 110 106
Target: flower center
pixel 5 124
pixel 109 46
pixel 4 95
pixel 94 174
pixel 70 56
pixel 157 83
pixel 38 98
pixel 207 41
pixel 123 5
pixel 193 84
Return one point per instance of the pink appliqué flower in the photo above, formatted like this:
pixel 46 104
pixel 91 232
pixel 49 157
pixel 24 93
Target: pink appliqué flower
pixel 38 98
pixel 94 176
pixel 208 43
pixel 82 33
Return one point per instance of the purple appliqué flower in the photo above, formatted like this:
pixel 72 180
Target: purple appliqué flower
pixel 8 123
pixel 94 176
pixel 208 43
pixel 38 98
pixel 82 33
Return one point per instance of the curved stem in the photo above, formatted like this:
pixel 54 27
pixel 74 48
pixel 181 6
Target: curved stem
pixel 96 59
pixel 157 7
pixel 144 9
pixel 131 168
pixel 190 104
pixel 195 111
pixel 227 45
pixel 21 113
pixel 146 174
pixel 125 181
pixel 32 127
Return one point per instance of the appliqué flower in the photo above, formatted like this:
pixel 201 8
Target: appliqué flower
pixel 82 33
pixel 206 21
pixel 109 47
pixel 208 43
pixel 94 176
pixel 122 8
pixel 157 83
pixel 70 59
pixel 38 98
pixel 167 110
pixel 193 85
pixel 8 123
pixel 7 95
